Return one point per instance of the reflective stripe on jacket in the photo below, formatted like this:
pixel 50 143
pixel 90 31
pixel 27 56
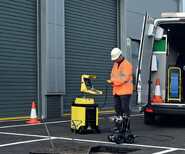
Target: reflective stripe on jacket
pixel 122 78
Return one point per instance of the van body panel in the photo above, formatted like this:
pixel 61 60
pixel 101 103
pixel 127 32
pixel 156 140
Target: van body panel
pixel 144 61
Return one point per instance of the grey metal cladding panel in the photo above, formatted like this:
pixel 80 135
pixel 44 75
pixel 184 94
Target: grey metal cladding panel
pixel 18 57
pixel 90 34
pixel 138 7
pixel 158 6
pixel 55 52
pixel 134 25
pixel 153 7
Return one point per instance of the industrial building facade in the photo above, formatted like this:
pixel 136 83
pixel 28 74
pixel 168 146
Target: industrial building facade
pixel 46 45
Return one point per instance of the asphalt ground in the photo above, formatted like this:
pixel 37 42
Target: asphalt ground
pixel 166 136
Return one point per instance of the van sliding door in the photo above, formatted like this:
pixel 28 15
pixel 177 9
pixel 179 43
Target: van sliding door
pixel 144 60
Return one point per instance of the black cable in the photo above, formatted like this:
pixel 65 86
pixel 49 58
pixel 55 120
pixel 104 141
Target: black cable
pixel 105 97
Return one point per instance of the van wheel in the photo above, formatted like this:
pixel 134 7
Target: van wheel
pixel 149 118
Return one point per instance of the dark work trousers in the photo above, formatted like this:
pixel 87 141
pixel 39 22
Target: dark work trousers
pixel 122 107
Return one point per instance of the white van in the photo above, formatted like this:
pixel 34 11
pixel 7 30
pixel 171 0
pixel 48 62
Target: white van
pixel 162 58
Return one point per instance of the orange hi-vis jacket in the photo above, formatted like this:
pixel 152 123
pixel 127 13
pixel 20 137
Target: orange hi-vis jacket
pixel 122 78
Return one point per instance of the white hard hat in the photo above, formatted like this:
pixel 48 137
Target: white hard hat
pixel 115 53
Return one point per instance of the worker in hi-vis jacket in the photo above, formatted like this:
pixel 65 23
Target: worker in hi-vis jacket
pixel 122 82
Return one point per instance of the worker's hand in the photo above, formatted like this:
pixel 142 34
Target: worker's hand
pixel 110 81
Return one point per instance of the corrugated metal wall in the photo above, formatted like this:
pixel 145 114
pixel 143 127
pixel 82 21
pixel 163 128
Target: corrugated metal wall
pixel 18 57
pixel 90 34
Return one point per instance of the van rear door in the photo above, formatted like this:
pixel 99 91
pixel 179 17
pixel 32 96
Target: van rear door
pixel 144 60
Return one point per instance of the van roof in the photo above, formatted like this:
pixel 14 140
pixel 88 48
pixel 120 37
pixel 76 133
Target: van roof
pixel 173 14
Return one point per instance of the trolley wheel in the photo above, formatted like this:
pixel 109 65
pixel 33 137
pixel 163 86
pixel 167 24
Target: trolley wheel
pixel 119 138
pixel 81 130
pixel 129 138
pixel 110 136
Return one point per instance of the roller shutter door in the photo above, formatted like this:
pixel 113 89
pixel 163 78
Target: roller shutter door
pixel 18 57
pixel 90 34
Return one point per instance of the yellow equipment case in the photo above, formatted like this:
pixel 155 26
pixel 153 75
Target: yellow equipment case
pixel 84 112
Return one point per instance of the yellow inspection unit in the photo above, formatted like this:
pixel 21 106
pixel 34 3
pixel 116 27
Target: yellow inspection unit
pixel 84 112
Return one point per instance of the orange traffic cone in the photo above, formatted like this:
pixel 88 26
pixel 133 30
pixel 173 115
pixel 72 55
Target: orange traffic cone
pixel 157 97
pixel 33 115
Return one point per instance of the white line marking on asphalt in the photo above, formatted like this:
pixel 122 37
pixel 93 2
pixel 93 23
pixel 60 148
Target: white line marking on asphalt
pixel 18 134
pixel 23 142
pixel 166 151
